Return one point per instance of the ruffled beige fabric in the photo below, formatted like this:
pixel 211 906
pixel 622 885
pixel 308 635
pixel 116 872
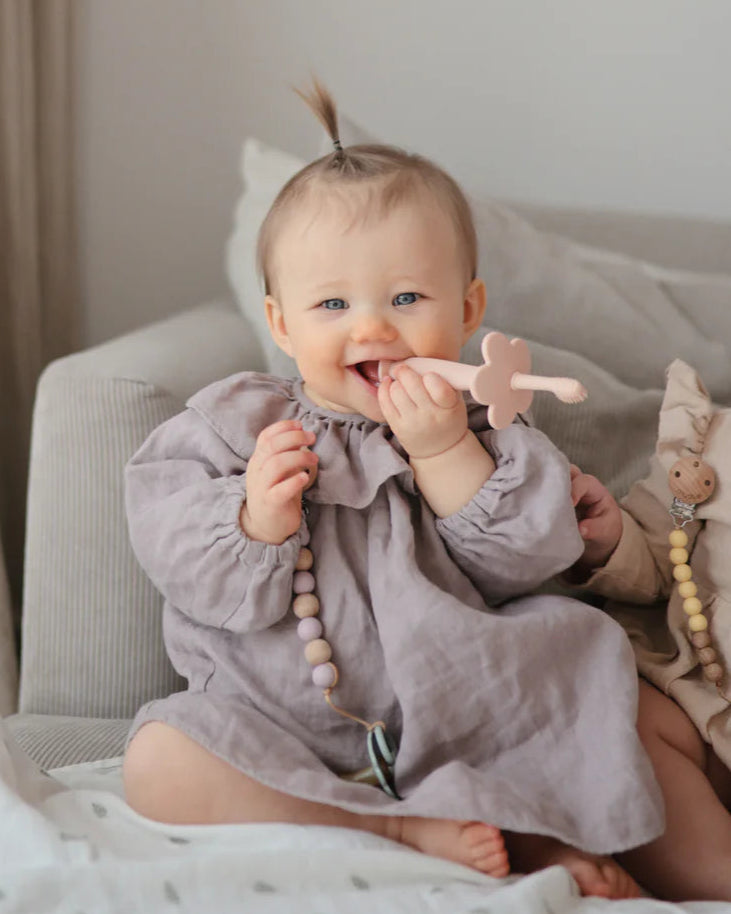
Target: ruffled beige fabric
pixel 639 572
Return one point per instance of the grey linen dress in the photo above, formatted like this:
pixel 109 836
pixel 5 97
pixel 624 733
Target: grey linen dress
pixel 514 710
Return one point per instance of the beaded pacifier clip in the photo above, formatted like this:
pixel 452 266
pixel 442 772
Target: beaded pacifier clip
pixel 692 482
pixel 380 745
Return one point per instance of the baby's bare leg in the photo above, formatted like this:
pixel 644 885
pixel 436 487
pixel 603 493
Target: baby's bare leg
pixel 692 859
pixel 171 778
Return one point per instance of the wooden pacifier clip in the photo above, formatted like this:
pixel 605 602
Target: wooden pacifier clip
pixel 692 482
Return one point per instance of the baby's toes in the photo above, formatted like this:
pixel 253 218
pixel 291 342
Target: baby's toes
pixel 621 884
pixel 590 878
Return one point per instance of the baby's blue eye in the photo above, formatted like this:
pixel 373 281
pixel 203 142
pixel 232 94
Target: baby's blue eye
pixel 334 304
pixel 406 298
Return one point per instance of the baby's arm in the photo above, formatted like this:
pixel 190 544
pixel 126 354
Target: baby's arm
pixel 626 547
pixel 519 529
pixel 185 488
pixel 429 418
pixel 600 522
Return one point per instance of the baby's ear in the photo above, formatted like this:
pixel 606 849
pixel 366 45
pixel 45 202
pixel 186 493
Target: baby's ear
pixel 475 301
pixel 277 327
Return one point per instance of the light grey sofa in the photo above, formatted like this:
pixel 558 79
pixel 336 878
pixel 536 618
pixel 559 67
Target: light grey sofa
pixel 92 649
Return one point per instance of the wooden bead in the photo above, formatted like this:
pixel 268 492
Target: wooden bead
pixel 679 556
pixel 682 573
pixel 304 560
pixel 305 604
pixel 692 606
pixel 713 672
pixel 318 651
pixel 691 480
pixel 678 538
pixel 687 589
pixel 698 623
pixel 707 655
pixel 700 640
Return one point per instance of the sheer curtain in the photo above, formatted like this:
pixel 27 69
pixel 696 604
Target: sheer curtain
pixel 38 293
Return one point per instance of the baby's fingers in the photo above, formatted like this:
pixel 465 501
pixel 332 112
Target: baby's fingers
pixel 288 463
pixel 286 435
pixel 441 392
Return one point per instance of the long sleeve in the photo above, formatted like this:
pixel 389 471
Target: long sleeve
pixel 520 528
pixel 639 570
pixel 184 491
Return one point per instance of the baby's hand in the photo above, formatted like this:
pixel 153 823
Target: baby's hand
pixel 599 518
pixel 425 413
pixel 279 470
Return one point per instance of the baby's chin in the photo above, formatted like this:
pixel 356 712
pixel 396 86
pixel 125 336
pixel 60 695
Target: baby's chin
pixel 371 411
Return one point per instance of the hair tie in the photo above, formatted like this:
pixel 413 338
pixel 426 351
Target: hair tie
pixel 337 145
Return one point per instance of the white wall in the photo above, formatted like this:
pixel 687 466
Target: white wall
pixel 575 102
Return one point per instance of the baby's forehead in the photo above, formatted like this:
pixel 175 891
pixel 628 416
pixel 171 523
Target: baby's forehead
pixel 347 206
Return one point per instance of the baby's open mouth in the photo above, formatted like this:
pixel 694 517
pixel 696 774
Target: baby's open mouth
pixel 369 371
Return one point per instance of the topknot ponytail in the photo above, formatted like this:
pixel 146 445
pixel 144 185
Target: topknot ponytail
pixel 321 103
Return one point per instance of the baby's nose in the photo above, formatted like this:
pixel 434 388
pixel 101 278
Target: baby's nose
pixel 372 326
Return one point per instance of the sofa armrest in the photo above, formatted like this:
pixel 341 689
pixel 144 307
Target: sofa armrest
pixel 91 629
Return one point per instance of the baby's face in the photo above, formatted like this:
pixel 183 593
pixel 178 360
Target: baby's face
pixel 349 293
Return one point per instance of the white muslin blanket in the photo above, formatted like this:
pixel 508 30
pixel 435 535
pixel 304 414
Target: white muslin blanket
pixel 69 843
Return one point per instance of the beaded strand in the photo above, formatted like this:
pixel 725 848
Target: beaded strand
pixel 692 607
pixel 692 482
pixel 380 746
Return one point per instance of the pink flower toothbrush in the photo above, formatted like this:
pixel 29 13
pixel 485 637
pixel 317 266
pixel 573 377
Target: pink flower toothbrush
pixel 504 383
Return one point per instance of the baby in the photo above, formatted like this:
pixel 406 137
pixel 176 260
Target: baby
pixel 691 860
pixel 386 531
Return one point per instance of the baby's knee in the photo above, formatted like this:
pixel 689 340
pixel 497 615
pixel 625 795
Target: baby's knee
pixel 145 775
pixel 661 720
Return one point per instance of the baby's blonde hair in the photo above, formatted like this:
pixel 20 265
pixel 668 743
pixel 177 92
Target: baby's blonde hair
pixel 398 176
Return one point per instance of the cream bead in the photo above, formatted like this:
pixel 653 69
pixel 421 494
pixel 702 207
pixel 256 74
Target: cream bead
pixel 304 559
pixel 692 606
pixel 678 538
pixel 682 573
pixel 305 604
pixel 713 672
pixel 697 623
pixel 679 556
pixel 687 589
pixel 700 640
pixel 317 652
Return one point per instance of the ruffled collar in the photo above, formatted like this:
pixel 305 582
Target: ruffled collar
pixel 356 454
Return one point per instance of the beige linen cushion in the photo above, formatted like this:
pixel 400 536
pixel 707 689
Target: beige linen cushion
pixel 659 631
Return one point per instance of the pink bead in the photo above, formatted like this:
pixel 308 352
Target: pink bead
pixel 324 675
pixel 303 582
pixel 309 629
pixel 305 536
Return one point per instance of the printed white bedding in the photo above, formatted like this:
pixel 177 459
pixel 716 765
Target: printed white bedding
pixel 69 843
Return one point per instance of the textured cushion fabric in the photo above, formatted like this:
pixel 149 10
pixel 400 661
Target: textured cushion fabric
pixel 626 316
pixel 54 741
pixel 92 641
pixel 8 663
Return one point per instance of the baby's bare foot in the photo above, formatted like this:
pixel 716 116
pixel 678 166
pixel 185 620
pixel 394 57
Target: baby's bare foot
pixel 596 875
pixel 473 844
